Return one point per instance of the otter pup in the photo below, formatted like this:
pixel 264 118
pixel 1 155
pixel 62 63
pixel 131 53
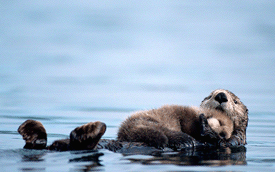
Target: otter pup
pixel 222 125
pixel 167 126
pixel 176 127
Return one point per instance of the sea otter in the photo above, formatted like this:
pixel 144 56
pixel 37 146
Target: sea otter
pixel 221 119
pixel 176 126
pixel 228 103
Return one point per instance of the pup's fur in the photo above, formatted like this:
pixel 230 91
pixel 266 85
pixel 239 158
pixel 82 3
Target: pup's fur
pixel 174 126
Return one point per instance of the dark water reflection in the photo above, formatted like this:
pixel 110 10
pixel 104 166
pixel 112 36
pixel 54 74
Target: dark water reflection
pixel 91 157
pixel 202 157
pixel 32 157
pixel 91 160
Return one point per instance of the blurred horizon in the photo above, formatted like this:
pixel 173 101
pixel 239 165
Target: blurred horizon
pixel 138 54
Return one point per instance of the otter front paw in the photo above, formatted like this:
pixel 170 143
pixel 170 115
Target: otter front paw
pixel 179 140
pixel 204 125
pixel 208 135
pixel 87 136
pixel 34 134
pixel 233 142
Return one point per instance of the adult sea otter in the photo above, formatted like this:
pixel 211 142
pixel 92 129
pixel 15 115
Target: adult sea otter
pixel 221 120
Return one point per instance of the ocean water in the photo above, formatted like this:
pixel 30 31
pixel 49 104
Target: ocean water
pixel 69 63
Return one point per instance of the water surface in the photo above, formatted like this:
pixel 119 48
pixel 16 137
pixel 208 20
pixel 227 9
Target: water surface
pixel 66 64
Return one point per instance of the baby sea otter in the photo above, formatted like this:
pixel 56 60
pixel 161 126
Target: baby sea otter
pixel 175 126
pixel 220 120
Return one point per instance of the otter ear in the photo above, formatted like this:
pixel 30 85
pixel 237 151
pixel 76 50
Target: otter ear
pixel 34 134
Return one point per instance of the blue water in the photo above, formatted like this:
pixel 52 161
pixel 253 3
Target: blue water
pixel 69 63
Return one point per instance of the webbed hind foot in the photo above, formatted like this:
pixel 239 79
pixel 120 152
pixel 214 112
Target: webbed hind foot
pixel 34 134
pixel 87 136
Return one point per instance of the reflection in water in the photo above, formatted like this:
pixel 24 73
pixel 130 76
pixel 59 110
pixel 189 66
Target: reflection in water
pixel 85 160
pixel 30 155
pixel 89 160
pixel 87 156
pixel 209 157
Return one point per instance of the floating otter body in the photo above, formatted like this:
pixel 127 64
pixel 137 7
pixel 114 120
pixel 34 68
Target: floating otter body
pixel 221 120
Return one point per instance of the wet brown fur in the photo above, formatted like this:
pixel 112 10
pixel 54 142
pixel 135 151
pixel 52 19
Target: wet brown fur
pixel 34 134
pixel 169 124
pixel 224 125
pixel 173 126
pixel 235 110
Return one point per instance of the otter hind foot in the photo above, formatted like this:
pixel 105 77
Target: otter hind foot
pixel 87 136
pixel 34 134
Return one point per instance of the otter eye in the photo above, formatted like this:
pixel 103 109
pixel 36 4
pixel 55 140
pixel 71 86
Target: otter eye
pixel 235 101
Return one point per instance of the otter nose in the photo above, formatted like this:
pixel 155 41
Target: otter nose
pixel 221 97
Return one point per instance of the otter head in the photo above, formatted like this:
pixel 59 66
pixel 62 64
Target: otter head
pixel 228 103
pixel 224 130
